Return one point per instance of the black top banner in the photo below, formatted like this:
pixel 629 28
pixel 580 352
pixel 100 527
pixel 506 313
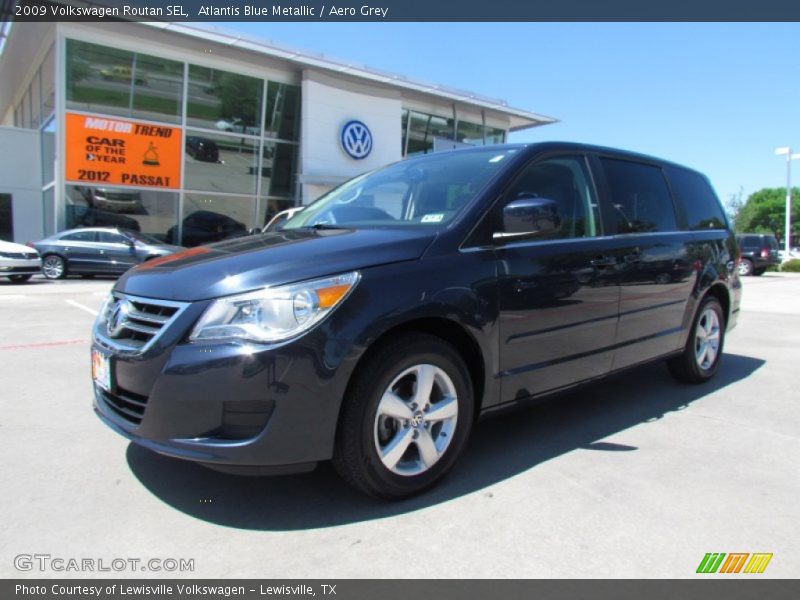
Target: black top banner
pixel 401 10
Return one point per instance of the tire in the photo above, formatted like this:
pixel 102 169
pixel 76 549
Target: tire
pixel 20 278
pixel 425 446
pixel 746 267
pixel 694 364
pixel 54 267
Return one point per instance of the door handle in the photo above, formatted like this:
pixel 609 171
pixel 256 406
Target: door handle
pixel 602 262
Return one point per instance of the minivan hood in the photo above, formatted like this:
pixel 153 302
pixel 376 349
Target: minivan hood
pixel 248 263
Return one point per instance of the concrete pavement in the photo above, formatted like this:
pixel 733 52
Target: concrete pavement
pixel 637 476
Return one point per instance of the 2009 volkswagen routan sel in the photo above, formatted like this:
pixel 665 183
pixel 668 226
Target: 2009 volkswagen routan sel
pixel 378 323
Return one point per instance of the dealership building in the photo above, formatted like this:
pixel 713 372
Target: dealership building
pixel 193 134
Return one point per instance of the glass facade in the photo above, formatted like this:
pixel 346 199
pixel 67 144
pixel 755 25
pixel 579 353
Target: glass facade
pixel 241 141
pixel 147 211
pixel 240 157
pixel 38 102
pixel 121 83
pixel 220 163
pixel 224 101
pixel 421 129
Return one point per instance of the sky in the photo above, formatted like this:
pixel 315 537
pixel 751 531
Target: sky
pixel 716 97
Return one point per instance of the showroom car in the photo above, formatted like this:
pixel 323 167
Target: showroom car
pixel 19 263
pixel 205 227
pixel 98 251
pixel 379 322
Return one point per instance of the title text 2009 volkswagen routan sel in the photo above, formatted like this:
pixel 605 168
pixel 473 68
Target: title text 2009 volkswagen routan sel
pixel 377 323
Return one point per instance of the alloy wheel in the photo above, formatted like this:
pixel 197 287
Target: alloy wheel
pixel 53 267
pixel 706 339
pixel 416 419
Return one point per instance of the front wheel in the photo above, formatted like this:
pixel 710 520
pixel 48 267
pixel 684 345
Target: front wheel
pixel 406 418
pixel 700 358
pixel 54 267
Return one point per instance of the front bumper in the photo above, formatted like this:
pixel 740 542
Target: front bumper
pixel 10 267
pixel 229 405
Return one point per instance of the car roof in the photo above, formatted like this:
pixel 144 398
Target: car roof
pixel 557 146
pixel 60 234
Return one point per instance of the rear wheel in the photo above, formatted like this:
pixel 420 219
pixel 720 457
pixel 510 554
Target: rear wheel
pixel 700 358
pixel 746 267
pixel 54 267
pixel 406 419
pixel 20 278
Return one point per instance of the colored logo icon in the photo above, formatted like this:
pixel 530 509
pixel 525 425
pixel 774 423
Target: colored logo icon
pixel 356 139
pixel 736 562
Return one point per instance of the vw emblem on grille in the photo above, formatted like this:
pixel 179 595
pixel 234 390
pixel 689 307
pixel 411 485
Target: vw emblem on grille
pixel 117 314
pixel 356 140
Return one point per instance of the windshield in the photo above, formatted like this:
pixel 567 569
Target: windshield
pixel 427 191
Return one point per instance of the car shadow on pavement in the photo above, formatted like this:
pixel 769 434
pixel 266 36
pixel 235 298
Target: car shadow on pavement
pixel 498 449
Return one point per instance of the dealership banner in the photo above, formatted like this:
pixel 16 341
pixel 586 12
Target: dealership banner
pixel 111 151
pixel 401 10
pixel 398 589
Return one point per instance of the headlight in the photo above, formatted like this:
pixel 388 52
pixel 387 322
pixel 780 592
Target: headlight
pixel 274 314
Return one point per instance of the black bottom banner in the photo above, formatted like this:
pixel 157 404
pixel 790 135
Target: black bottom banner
pixel 399 589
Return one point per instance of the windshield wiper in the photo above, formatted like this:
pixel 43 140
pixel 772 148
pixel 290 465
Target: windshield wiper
pixel 318 226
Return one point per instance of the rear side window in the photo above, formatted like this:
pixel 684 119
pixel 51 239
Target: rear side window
pixel 109 238
pixel 698 200
pixel 750 241
pixel 640 198
pixel 79 236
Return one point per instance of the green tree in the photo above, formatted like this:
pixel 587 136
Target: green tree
pixel 240 98
pixel 765 210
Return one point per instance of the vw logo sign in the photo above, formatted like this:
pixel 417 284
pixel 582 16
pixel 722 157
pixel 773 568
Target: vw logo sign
pixel 356 140
pixel 116 317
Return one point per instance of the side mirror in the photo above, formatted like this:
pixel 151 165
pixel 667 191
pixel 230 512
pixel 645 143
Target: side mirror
pixel 529 217
pixel 253 230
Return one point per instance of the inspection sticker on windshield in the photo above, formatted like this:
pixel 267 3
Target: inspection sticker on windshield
pixel 433 218
pixel 101 370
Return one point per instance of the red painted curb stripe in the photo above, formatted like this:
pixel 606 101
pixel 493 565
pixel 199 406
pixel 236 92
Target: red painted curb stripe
pixel 44 345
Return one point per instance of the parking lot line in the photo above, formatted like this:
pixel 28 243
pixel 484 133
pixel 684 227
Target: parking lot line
pixel 13 297
pixel 44 345
pixel 91 311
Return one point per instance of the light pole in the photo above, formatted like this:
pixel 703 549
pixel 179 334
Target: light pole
pixel 787 152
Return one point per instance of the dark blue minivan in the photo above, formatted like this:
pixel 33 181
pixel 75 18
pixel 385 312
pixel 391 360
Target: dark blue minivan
pixel 376 325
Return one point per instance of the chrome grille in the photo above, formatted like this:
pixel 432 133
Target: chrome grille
pixel 132 324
